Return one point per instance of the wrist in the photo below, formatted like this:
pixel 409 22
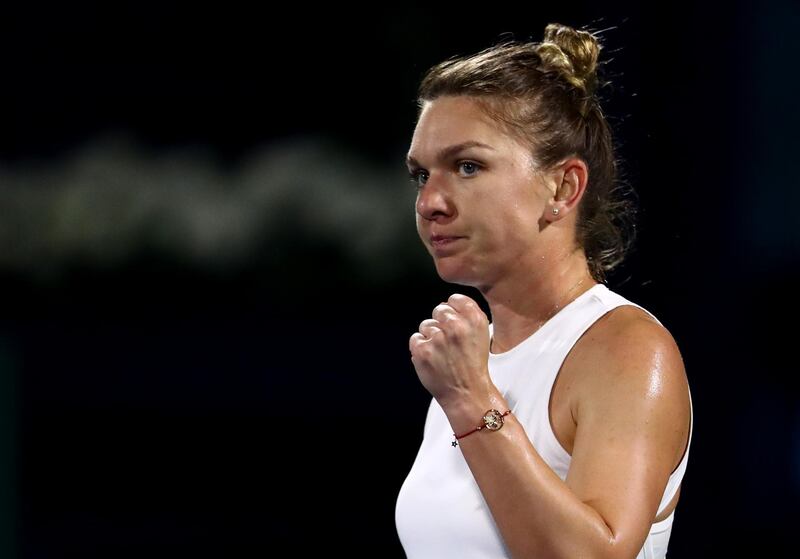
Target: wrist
pixel 466 413
pixel 492 420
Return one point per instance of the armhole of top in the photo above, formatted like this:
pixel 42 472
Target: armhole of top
pixel 689 436
pixel 616 305
pixel 558 374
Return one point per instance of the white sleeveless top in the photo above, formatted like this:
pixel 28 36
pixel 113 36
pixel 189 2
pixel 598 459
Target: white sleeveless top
pixel 440 510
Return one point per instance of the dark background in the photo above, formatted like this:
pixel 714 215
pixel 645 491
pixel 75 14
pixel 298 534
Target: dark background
pixel 210 272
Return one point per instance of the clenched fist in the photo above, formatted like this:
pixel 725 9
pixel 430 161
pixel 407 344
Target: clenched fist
pixel 451 350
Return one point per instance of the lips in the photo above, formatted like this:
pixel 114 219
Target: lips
pixel 441 241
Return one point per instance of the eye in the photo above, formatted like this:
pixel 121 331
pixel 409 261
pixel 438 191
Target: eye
pixel 418 177
pixel 468 168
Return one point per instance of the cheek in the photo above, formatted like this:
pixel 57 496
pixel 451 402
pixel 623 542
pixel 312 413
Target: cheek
pixel 510 219
pixel 523 210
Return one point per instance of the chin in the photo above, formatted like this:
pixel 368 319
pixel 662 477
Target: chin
pixel 453 272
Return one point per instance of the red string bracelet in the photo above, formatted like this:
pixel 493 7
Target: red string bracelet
pixel 492 420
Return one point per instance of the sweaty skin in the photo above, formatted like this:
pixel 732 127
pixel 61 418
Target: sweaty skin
pixel 620 405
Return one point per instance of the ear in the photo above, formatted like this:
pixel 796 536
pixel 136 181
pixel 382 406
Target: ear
pixel 571 177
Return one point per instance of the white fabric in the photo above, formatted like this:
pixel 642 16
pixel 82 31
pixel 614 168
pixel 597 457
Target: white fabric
pixel 440 510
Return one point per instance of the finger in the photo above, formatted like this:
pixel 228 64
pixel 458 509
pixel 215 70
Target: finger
pixel 420 348
pixel 428 322
pixel 443 312
pixel 468 308
pixel 429 328
pixel 415 341
pixel 461 303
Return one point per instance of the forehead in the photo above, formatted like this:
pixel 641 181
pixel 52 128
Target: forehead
pixel 451 120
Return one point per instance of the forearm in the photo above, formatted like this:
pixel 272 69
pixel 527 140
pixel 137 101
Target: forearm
pixel 536 512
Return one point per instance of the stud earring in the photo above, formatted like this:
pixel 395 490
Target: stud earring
pixel 555 211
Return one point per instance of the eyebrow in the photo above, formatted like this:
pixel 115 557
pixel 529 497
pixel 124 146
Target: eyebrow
pixel 450 151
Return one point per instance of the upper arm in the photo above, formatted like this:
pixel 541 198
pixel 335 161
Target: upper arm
pixel 632 416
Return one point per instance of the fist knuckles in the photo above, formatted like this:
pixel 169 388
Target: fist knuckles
pixel 454 319
pixel 450 350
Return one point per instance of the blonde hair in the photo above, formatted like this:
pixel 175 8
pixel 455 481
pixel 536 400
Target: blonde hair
pixel 546 94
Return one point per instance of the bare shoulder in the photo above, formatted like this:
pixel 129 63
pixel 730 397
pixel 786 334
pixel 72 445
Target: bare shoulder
pixel 628 345
pixel 629 402
pixel 628 361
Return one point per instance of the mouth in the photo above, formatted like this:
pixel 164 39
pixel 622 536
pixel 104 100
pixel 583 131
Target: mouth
pixel 443 241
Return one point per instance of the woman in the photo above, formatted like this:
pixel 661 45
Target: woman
pixel 562 428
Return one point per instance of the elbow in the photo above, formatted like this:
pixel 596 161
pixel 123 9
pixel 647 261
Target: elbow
pixel 615 548
pixel 599 542
pixel 611 545
pixel 607 547
pixel 611 550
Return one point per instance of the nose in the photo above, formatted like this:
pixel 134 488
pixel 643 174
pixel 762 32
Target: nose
pixel 433 202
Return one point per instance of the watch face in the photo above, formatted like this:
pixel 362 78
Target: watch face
pixel 493 420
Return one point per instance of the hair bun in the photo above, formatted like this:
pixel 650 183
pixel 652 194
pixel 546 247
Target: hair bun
pixel 573 53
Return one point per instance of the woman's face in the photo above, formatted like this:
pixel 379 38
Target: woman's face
pixel 479 201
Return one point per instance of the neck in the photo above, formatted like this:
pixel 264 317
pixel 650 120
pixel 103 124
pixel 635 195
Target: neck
pixel 523 301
